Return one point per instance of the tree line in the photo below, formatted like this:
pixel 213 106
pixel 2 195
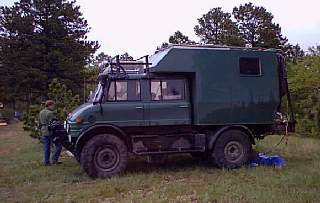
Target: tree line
pixel 247 26
pixel 42 40
pixel 252 26
pixel 304 84
pixel 45 52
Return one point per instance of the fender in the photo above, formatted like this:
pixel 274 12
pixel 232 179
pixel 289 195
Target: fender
pixel 86 135
pixel 213 136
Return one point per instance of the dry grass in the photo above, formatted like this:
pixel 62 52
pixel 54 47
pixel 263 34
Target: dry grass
pixel 179 179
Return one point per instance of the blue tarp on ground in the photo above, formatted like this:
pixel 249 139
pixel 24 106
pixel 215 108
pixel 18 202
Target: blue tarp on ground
pixel 262 159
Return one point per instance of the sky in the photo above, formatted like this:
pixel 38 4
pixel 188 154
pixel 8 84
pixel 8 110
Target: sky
pixel 139 26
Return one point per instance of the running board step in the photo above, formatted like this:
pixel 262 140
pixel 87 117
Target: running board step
pixel 160 144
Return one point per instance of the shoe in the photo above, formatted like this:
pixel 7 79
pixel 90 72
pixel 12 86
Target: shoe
pixel 47 164
pixel 56 162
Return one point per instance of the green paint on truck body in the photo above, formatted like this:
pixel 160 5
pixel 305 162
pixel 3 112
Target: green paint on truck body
pixel 221 94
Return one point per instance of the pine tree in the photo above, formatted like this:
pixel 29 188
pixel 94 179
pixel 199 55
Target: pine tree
pixel 314 51
pixel 179 38
pixel 101 58
pixel 163 46
pixel 126 57
pixel 42 40
pixel 256 27
pixel 216 27
pixel 293 52
pixel 65 101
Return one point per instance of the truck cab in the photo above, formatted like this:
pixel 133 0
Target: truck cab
pixel 209 101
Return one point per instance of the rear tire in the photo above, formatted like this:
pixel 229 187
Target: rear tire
pixel 104 156
pixel 232 149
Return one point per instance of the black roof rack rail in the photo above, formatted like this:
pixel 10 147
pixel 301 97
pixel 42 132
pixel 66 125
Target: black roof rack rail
pixel 216 46
pixel 116 69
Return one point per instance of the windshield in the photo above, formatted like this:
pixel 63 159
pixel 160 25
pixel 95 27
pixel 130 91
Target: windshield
pixel 97 93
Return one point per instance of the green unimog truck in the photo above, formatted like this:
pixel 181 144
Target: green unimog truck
pixel 209 101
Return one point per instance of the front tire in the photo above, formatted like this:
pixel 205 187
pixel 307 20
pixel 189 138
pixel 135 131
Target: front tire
pixel 104 156
pixel 232 149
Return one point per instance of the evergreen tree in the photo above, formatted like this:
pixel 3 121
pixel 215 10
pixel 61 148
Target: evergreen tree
pixel 179 38
pixel 163 46
pixel 304 86
pixel 256 27
pixel 101 57
pixel 126 57
pixel 65 101
pixel 314 50
pixel 41 40
pixel 216 27
pixel 97 65
pixel 293 52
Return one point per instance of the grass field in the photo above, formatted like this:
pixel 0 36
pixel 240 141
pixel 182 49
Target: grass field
pixel 179 179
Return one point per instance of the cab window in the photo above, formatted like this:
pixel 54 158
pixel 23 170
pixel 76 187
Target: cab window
pixel 111 93
pixel 169 89
pixel 156 90
pixel 122 90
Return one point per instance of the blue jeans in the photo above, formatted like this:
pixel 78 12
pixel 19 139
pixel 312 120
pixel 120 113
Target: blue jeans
pixel 47 150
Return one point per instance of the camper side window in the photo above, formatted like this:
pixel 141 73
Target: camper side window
pixel 250 66
pixel 170 89
pixel 173 89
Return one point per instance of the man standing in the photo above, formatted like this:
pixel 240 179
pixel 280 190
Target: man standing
pixel 45 116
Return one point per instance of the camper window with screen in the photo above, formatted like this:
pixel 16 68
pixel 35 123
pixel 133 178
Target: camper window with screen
pixel 124 91
pixel 250 66
pixel 171 89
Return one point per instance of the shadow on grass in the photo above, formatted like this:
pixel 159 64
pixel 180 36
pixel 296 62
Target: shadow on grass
pixel 173 163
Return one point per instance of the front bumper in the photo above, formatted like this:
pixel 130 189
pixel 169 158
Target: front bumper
pixel 60 134
pixel 64 140
pixel 73 130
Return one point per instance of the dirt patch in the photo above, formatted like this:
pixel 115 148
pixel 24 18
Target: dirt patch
pixel 6 131
pixel 11 137
pixel 4 152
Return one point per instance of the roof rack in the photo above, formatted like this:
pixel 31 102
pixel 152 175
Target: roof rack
pixel 115 68
pixel 216 46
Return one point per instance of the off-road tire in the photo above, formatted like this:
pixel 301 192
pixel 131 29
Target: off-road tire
pixel 232 149
pixel 104 156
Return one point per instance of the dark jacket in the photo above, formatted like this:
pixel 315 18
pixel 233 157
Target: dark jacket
pixel 45 116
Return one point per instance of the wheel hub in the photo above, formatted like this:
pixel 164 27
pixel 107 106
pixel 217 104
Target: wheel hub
pixel 106 158
pixel 233 151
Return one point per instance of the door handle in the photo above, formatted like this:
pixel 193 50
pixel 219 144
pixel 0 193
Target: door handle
pixel 183 106
pixel 139 107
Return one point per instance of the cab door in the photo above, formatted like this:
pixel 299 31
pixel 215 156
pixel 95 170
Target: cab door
pixel 123 105
pixel 169 103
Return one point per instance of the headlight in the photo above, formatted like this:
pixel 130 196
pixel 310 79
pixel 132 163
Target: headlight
pixel 66 126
